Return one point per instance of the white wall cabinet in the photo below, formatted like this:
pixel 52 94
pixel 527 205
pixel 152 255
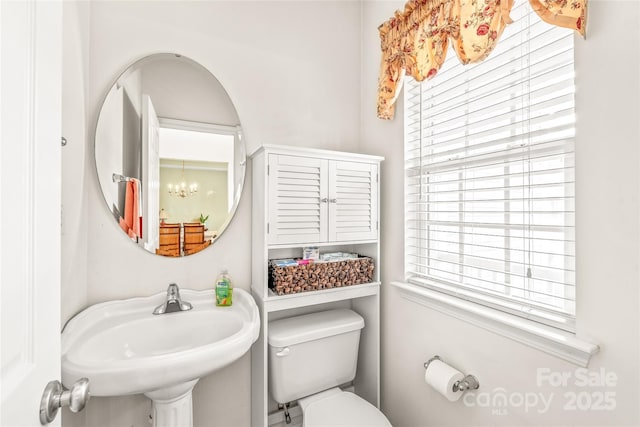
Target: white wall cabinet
pixel 308 197
pixel 319 200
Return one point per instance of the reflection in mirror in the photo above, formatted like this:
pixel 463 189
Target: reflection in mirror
pixel 170 155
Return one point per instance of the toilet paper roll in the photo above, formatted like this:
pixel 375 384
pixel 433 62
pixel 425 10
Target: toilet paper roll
pixel 442 377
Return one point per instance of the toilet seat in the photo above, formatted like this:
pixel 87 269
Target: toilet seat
pixel 340 408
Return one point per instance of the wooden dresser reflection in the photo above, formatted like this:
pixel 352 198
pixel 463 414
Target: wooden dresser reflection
pixel 194 240
pixel 169 240
pixel 182 239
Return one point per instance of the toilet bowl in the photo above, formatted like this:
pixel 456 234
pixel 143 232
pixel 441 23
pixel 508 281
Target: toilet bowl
pixel 309 357
pixel 337 408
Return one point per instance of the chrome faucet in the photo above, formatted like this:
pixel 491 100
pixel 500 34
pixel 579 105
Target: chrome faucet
pixel 173 302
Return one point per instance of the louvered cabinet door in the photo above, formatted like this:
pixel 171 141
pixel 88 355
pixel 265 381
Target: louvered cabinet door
pixel 298 206
pixel 353 201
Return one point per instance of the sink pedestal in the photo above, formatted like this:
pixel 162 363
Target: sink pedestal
pixel 173 406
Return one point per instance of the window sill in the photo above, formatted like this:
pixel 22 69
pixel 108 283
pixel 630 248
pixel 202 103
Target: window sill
pixel 561 344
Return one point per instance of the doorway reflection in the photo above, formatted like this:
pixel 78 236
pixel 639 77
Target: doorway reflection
pixel 195 188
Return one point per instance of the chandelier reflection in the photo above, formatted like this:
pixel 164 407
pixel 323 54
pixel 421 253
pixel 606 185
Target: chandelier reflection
pixel 182 190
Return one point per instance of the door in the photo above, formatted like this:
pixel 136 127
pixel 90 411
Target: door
pixel 353 201
pixel 150 176
pixel 297 199
pixel 30 103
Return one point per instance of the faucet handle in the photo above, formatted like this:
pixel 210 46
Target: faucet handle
pixel 173 291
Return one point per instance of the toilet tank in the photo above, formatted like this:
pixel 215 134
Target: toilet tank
pixel 312 353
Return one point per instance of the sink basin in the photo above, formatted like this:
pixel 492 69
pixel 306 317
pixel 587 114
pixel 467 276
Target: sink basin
pixel 125 349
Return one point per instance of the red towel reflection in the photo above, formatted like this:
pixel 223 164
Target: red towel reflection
pixel 132 223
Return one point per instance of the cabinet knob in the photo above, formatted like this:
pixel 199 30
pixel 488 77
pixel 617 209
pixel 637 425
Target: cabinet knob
pixel 324 200
pixel 333 200
pixel 284 352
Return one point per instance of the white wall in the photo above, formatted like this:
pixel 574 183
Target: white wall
pixel 607 194
pixel 183 90
pixel 292 71
pixel 75 161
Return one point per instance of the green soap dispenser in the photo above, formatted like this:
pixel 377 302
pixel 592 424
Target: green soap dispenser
pixel 224 289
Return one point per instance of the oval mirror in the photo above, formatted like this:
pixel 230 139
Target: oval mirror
pixel 170 155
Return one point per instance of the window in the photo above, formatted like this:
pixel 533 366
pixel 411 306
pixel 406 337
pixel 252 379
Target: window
pixel 489 175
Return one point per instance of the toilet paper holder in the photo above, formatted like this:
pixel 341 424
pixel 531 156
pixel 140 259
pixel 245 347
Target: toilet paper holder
pixel 469 382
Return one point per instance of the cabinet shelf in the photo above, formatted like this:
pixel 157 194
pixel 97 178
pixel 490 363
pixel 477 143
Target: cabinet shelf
pixel 307 197
pixel 274 302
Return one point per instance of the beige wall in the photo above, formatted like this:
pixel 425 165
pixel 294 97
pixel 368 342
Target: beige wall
pixel 607 247
pixel 211 198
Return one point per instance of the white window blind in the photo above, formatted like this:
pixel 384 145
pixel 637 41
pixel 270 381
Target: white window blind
pixel 489 175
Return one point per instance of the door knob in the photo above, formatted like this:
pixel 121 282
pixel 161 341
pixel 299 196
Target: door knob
pixel 55 397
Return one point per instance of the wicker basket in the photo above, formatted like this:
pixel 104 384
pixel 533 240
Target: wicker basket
pixel 321 275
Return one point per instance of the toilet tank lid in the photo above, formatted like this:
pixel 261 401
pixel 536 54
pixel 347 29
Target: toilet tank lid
pixel 313 326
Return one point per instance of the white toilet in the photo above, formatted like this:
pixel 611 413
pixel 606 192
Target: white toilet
pixel 309 357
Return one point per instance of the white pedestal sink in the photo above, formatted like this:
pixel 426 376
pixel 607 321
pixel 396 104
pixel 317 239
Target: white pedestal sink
pixel 124 349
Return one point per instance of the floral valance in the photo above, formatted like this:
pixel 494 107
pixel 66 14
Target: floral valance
pixel 415 41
